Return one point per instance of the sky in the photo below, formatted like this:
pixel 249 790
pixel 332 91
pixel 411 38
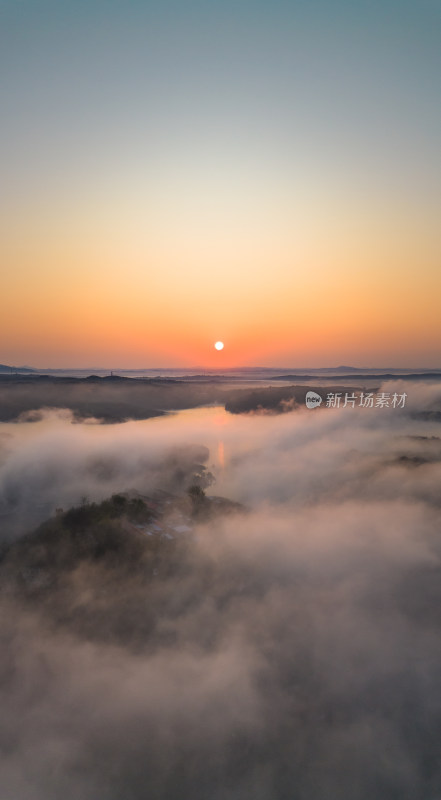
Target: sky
pixel 264 174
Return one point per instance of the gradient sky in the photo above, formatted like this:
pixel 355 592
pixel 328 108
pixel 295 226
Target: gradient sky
pixel 267 174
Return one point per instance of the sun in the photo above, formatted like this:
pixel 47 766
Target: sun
pixel 219 345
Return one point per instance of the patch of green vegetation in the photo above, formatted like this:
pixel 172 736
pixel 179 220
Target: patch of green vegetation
pixel 199 502
pixel 118 505
pixel 91 532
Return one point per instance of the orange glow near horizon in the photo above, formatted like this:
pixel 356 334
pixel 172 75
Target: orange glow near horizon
pixel 80 303
pixel 337 278
pixel 83 290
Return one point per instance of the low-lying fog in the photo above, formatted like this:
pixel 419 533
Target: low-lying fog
pixel 309 669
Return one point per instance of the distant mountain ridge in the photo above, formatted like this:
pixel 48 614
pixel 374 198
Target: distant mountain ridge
pixel 6 368
pixel 187 373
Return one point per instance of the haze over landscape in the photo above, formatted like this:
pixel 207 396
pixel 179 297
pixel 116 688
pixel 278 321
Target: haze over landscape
pixel 220 400
pixel 286 644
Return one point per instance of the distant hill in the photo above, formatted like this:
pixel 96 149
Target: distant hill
pixel 275 400
pixel 6 368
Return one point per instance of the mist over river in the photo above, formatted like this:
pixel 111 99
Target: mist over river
pixel 287 649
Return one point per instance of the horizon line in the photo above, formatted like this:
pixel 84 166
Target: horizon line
pixel 217 369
